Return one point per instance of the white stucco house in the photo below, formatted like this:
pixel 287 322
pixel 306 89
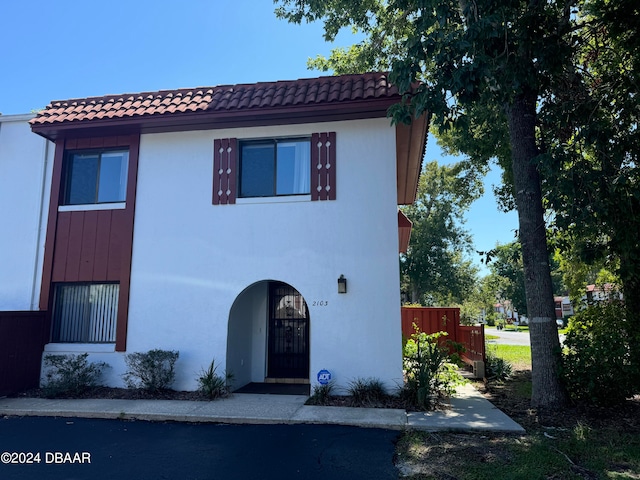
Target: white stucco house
pixel 255 224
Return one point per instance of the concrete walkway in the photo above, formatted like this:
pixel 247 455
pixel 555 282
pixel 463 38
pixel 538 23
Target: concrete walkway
pixel 469 411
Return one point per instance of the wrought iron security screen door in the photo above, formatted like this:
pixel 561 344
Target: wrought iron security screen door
pixel 288 333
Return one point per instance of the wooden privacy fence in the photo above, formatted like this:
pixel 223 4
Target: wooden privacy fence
pixel 22 339
pixel 432 320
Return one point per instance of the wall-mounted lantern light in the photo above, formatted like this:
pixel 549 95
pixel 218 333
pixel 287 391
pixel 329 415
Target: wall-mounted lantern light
pixel 342 284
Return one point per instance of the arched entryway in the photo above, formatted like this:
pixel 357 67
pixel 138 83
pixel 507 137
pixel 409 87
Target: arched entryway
pixel 268 335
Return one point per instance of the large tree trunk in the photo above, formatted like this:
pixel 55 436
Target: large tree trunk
pixel 545 346
pixel 631 291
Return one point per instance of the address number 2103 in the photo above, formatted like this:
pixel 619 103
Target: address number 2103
pixel 320 303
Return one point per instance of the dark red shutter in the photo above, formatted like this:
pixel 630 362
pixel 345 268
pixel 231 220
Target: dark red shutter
pixel 323 166
pixel 224 171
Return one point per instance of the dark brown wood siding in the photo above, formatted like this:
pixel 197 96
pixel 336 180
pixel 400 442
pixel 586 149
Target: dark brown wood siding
pixel 22 339
pixel 88 246
pixel 91 245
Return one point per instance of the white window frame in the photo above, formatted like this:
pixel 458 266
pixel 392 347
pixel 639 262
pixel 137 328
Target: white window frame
pixel 67 173
pixel 305 172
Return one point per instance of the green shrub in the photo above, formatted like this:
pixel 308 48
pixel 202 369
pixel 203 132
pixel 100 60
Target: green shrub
pixel 597 365
pixel 213 385
pixel 70 374
pixel 456 356
pixel 497 368
pixel 428 373
pixel 321 394
pixel 153 370
pixel 367 392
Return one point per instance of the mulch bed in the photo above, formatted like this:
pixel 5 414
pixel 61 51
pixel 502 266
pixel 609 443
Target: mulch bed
pixel 510 398
pixel 122 393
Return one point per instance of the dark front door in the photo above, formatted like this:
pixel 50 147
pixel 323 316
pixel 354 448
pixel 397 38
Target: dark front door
pixel 288 333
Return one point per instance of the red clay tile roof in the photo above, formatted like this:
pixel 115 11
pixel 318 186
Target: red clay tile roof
pixel 268 95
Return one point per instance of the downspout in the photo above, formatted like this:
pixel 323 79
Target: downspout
pixel 35 295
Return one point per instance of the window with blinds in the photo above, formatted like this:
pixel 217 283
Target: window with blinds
pixel 85 312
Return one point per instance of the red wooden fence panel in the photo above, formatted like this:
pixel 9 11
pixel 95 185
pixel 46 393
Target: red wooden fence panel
pixel 432 320
pixel 473 340
pixel 22 339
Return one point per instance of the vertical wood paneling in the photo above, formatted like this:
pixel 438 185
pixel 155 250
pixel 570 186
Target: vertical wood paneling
pixel 97 142
pixel 112 142
pixel 61 248
pixel 88 252
pixel 93 246
pixel 83 143
pixel 72 273
pixel 103 236
pixel 116 237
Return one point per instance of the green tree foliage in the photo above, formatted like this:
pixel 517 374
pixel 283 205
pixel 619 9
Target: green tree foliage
pixel 576 274
pixel 598 366
pixel 435 268
pixel 470 56
pixel 480 302
pixel 507 270
pixel 506 264
pixel 544 77
pixel 590 131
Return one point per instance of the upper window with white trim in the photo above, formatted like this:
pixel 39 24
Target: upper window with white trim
pixel 275 167
pixel 95 176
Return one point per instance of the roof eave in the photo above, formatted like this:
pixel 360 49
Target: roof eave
pixel 411 141
pixel 205 120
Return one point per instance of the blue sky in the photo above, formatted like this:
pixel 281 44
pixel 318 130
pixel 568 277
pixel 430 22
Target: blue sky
pixel 55 50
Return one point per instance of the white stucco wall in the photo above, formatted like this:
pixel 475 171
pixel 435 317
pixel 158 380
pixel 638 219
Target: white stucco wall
pixel 26 160
pixel 191 259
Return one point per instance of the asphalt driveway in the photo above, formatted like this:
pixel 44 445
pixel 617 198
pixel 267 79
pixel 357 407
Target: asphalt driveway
pixel 72 448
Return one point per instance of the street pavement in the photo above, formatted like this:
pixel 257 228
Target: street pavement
pixel 511 337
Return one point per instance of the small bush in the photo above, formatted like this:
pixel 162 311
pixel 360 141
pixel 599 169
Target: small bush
pixel 213 385
pixel 598 366
pixel 321 394
pixel 428 373
pixel 456 356
pixel 369 392
pixel 70 374
pixel 497 368
pixel 152 371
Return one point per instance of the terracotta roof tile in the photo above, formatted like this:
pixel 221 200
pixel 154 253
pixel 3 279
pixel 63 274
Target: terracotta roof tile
pixel 265 95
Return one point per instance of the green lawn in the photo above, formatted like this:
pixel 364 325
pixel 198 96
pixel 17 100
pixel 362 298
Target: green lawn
pixel 517 355
pixel 578 448
pixel 578 453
